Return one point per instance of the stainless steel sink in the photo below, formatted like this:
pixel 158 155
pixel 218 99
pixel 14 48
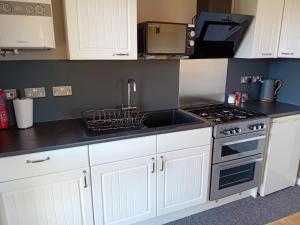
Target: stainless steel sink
pixel 169 118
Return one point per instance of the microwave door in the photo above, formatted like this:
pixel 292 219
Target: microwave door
pixel 166 38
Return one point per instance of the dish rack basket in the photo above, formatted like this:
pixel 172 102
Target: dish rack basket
pixel 112 119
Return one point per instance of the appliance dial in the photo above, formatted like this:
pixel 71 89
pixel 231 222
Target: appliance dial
pixel 29 9
pixel 253 127
pixel 39 9
pixel 192 34
pixel 191 43
pixel 232 131
pixel 238 130
pixel 6 8
pixel 261 126
pixel 226 132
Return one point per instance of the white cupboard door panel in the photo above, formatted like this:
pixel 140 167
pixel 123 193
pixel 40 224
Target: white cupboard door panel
pixel 282 160
pixel 59 199
pixel 182 179
pixel 124 192
pixel 290 33
pixel 101 29
pixel 268 25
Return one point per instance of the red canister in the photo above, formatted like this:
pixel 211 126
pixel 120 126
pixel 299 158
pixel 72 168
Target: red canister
pixel 3 112
pixel 238 97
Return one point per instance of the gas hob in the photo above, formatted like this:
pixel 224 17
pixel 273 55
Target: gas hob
pixel 230 120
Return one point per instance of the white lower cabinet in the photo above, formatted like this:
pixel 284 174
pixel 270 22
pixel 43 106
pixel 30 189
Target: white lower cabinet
pixel 124 192
pixel 182 179
pixel 282 156
pixel 57 199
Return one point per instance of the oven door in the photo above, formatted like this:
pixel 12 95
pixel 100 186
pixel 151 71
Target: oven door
pixel 235 176
pixel 236 147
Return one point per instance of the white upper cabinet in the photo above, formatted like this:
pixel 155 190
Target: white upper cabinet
pixel 101 29
pixel 290 33
pixel 262 38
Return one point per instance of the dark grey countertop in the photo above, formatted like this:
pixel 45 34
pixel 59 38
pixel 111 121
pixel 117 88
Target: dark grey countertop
pixel 273 110
pixel 70 133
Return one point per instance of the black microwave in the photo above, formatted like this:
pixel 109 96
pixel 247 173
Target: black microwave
pixel 160 38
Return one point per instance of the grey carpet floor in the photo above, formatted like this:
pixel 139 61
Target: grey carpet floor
pixel 249 211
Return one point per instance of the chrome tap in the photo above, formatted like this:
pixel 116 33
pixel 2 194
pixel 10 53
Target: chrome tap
pixel 131 88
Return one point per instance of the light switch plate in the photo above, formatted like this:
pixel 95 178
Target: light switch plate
pixel 35 92
pixel 61 91
pixel 10 94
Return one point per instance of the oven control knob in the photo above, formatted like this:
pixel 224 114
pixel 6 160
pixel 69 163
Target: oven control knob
pixel 238 130
pixel 226 132
pixel 253 127
pixel 232 131
pixel 262 126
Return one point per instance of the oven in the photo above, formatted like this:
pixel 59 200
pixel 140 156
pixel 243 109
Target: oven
pixel 240 146
pixel 235 176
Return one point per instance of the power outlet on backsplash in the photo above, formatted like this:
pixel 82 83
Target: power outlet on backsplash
pixel 35 92
pixel 10 94
pixel 61 91
pixel 257 79
pixel 246 79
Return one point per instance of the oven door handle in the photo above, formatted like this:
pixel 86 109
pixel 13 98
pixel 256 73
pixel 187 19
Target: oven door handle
pixel 244 140
pixel 241 163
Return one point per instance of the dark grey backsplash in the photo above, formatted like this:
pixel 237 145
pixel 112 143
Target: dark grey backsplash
pixel 246 67
pixel 96 84
pixel 287 70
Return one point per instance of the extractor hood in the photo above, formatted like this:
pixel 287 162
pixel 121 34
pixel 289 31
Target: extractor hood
pixel 219 35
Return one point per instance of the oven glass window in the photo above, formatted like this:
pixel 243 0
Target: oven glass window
pixel 236 175
pixel 232 149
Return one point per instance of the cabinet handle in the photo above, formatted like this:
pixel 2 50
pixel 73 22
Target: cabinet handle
pixel 85 179
pixel 121 54
pixel 162 164
pixel 266 54
pixel 287 53
pixel 153 165
pixel 38 161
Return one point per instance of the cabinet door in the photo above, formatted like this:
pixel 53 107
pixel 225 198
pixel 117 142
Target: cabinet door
pixel 282 160
pixel 290 33
pixel 101 29
pixel 124 192
pixel 57 199
pixel 182 179
pixel 267 30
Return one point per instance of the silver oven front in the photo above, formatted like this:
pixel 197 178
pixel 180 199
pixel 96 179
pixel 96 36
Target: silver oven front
pixel 236 147
pixel 236 176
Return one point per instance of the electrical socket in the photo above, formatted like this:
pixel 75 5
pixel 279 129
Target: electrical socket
pixel 246 79
pixel 61 91
pixel 11 94
pixel 257 79
pixel 35 92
